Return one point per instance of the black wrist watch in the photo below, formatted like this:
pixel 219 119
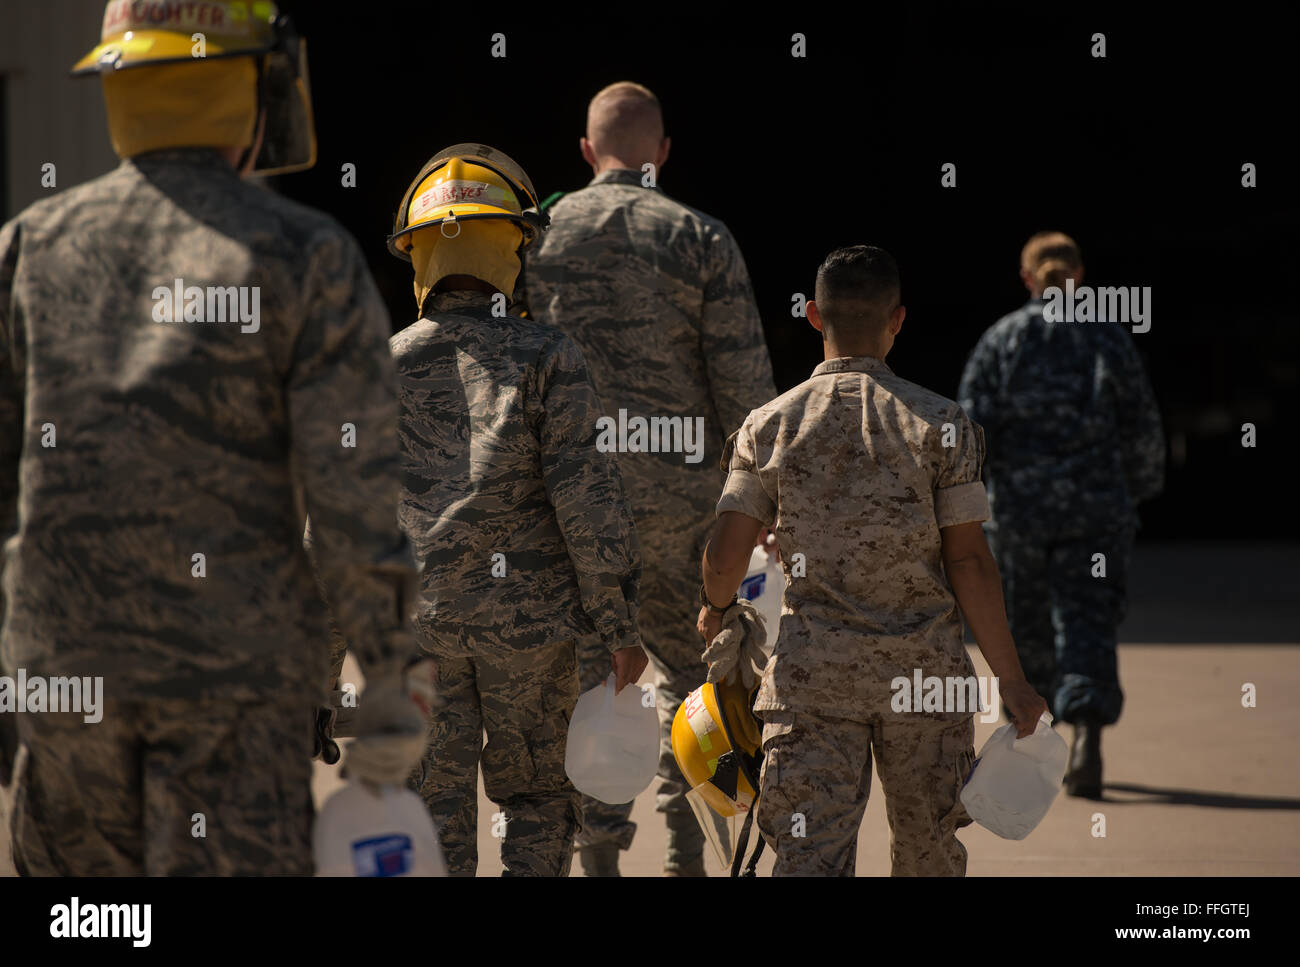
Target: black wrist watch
pixel 704 600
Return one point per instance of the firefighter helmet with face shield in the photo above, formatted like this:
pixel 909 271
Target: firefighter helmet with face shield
pixel 717 743
pixel 173 77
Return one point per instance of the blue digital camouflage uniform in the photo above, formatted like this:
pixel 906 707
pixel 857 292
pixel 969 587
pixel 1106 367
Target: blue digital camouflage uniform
pixel 657 297
pixel 1074 443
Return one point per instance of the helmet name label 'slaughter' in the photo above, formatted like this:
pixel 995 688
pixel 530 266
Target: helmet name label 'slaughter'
pixel 178 14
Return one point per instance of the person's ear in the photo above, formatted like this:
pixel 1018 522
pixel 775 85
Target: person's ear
pixel 588 152
pixel 1078 276
pixel 896 319
pixel 1028 280
pixel 815 317
pixel 664 146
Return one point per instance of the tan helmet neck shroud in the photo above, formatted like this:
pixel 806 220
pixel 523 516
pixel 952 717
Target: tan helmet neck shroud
pixel 487 250
pixel 210 104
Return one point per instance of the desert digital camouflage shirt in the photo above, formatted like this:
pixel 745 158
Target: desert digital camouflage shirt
pixel 1073 429
pixel 852 471
pixel 657 297
pixel 129 445
pixel 519 521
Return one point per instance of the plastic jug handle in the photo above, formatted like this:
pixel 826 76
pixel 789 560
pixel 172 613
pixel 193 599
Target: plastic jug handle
pixel 1044 724
pixel 609 693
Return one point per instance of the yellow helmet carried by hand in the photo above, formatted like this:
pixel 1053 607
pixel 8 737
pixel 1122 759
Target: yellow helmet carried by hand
pixel 173 77
pixel 718 745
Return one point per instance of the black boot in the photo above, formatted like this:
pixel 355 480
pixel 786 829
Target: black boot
pixel 1083 775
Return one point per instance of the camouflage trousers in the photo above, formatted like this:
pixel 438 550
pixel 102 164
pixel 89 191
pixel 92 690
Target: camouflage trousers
pixel 523 702
pixel 817 775
pixel 166 788
pixel 1065 622
pixel 667 621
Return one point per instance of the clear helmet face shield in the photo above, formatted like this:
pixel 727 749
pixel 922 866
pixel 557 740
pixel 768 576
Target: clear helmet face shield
pixel 721 832
pixel 289 136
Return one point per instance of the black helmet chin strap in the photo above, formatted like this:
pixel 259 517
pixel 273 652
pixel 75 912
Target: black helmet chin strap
pixel 731 765
pixel 742 844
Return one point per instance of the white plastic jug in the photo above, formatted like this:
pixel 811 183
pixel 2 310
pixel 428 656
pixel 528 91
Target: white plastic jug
pixel 763 587
pixel 1014 781
pixel 362 832
pixel 612 751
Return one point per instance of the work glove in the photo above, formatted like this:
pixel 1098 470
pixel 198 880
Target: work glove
pixel 735 651
pixel 326 749
pixel 8 746
pixel 392 726
pixel 336 721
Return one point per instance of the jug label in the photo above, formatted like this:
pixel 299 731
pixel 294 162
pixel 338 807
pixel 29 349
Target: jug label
pixel 382 855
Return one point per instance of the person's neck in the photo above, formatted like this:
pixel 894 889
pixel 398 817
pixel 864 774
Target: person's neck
pixel 615 164
pixel 465 283
pixel 832 350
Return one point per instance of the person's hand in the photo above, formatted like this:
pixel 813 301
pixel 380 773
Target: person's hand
pixel 709 623
pixel 736 652
pixel 628 664
pixel 325 748
pixel 1024 705
pixel 8 748
pixel 393 725
pixel 767 541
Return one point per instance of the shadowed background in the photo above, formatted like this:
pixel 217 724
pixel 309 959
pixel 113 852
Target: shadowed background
pixel 1138 156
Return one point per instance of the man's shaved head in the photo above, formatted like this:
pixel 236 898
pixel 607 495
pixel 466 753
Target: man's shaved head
pixel 857 290
pixel 625 123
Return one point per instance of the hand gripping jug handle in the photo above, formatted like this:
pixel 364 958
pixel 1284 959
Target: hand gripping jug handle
pixel 1044 722
pixel 612 749
pixel 1014 781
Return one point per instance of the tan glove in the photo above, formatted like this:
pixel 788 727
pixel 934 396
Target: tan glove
pixel 738 647
pixel 393 716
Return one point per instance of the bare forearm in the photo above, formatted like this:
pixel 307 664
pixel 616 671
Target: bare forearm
pixel 978 589
pixel 726 558
pixel 722 580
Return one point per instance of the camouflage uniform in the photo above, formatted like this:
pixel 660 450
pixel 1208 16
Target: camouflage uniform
pixel 527 544
pixel 657 296
pixel 175 439
pixel 851 471
pixel 1074 442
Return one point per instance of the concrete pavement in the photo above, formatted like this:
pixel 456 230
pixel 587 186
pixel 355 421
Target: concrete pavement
pixel 1196 785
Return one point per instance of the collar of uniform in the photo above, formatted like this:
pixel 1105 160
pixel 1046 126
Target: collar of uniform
pixel 852 364
pixel 193 157
pixel 619 176
pixel 458 299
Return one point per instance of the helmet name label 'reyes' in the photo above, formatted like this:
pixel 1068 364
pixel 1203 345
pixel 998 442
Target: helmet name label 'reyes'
pixel 452 192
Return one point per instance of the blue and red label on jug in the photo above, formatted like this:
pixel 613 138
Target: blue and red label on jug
pixel 390 855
